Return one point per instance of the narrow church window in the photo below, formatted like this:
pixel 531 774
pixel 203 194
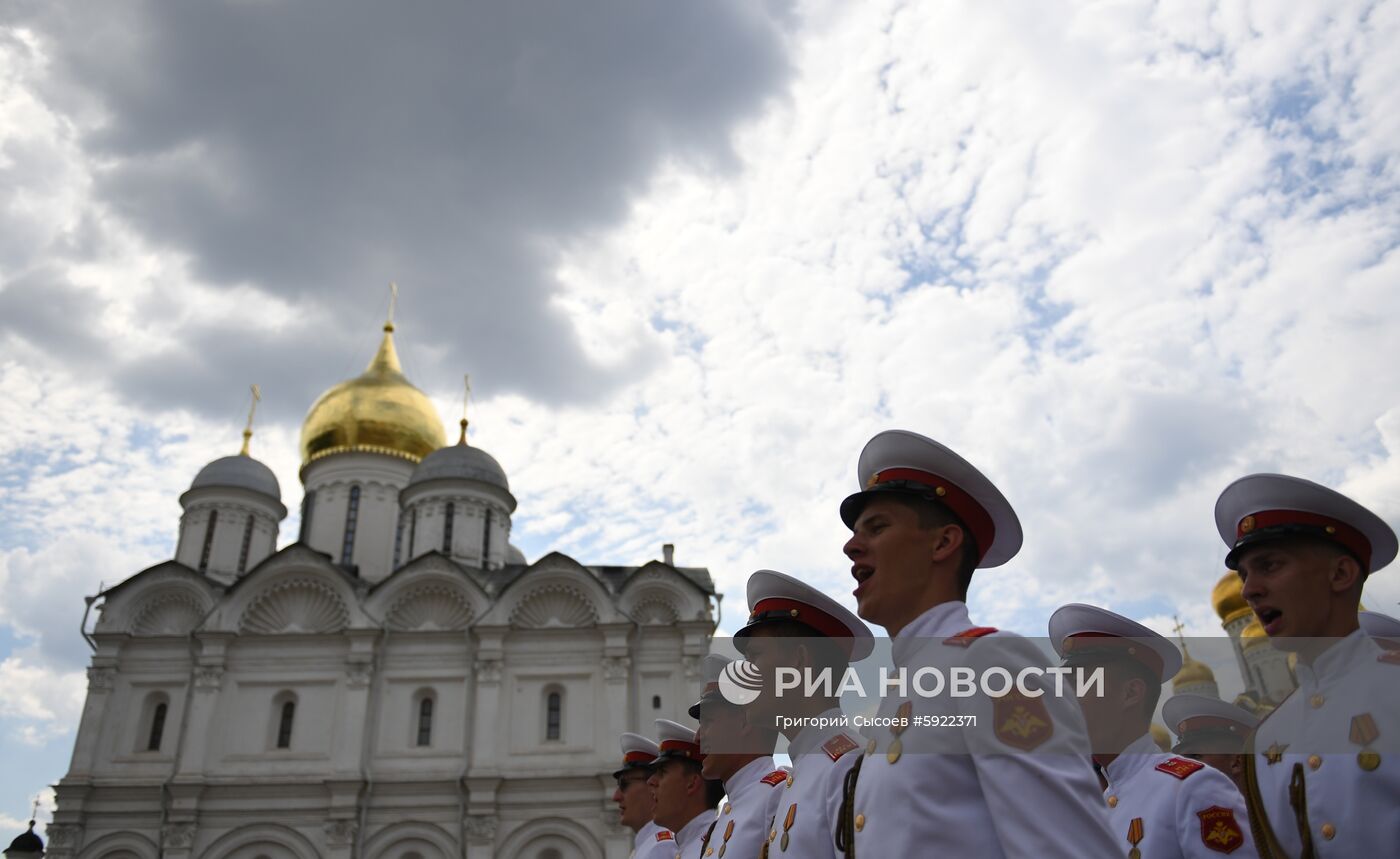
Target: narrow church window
pixel 412 531
pixel 247 541
pixel 425 721
pixel 157 728
pixel 486 538
pixel 208 540
pixel 553 708
pixel 352 516
pixel 398 543
pixel 308 502
pixel 448 519
pixel 284 725
pixel 656 702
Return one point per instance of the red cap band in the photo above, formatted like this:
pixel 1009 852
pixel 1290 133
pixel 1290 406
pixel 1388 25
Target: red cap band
pixel 803 613
pixel 1202 723
pixel 1132 649
pixel 974 515
pixel 682 749
pixel 1335 529
pixel 641 757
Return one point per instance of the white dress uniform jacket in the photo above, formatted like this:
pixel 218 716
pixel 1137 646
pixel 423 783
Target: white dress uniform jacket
pixel 804 819
pixel 1168 806
pixel 742 827
pixel 1018 784
pixel 654 842
pixel 688 840
pixel 1336 735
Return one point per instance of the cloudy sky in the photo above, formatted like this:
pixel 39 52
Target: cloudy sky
pixel 694 255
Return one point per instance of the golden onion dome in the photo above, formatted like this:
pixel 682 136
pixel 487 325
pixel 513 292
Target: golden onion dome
pixel 1228 597
pixel 1192 671
pixel 1161 737
pixel 379 411
pixel 1253 635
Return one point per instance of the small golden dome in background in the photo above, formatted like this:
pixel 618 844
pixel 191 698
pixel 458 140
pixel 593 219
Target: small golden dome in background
pixel 1192 672
pixel 1227 597
pixel 379 411
pixel 1161 737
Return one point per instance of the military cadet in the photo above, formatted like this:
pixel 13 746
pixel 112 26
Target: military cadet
pixel 1323 778
pixel 1383 629
pixel 740 754
pixel 685 800
pixel 1160 805
pixel 951 776
pixel 635 803
pixel 793 625
pixel 1212 731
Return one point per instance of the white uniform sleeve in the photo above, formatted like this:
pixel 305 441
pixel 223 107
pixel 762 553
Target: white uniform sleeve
pixel 1211 818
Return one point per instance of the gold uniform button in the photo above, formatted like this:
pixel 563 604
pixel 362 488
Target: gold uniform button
pixel 727 808
pixel 1328 831
pixel 1113 802
pixel 1314 762
pixel 1317 701
pixel 709 851
pixel 789 780
pixel 860 822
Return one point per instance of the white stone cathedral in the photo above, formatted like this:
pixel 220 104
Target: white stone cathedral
pixel 398 683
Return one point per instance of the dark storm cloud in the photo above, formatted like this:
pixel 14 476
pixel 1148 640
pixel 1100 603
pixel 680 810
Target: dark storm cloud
pixel 317 150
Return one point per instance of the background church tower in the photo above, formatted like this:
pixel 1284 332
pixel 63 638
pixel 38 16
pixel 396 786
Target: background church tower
pixel 360 443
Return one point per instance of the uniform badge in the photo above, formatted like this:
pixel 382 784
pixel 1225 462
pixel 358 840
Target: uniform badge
pixel 787 824
pixel 1274 753
pixel 1390 657
pixel 1179 767
pixel 901 722
pixel 1135 836
pixel 1363 733
pixel 775 778
pixel 663 835
pixel 838 746
pixel 1021 722
pixel 1219 829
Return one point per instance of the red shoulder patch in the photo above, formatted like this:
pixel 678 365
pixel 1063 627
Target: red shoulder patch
pixel 838 746
pixel 967 636
pixel 1179 767
pixel 663 835
pixel 1219 829
pixel 1390 657
pixel 1020 721
pixel 775 778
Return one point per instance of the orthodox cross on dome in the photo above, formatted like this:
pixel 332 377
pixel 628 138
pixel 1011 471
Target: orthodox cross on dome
pixel 1179 637
pixel 252 410
pixel 466 399
pixel 393 302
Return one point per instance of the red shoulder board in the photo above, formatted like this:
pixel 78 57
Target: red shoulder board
pixel 774 778
pixel 1390 657
pixel 837 746
pixel 663 835
pixel 1179 767
pixel 967 636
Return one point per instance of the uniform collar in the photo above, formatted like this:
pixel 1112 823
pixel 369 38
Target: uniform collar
pixel 748 775
pixel 812 736
pixel 941 621
pixel 647 834
pixel 1334 662
pixel 692 831
pixel 1138 754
